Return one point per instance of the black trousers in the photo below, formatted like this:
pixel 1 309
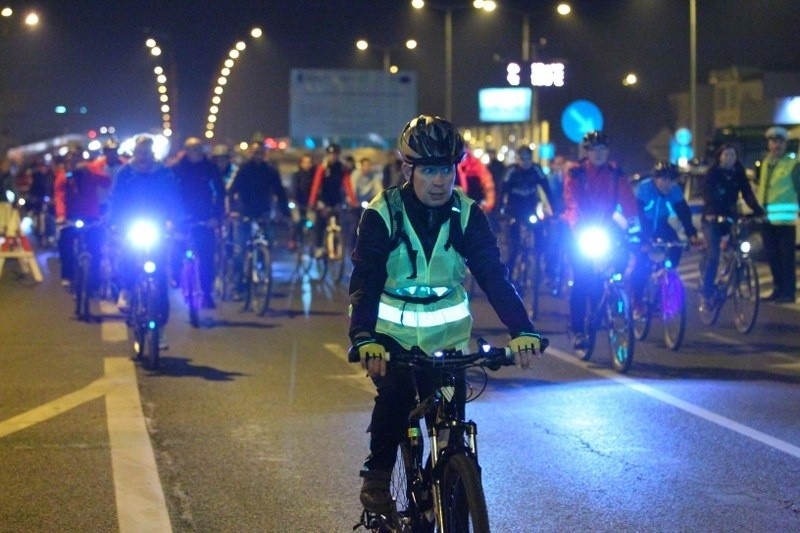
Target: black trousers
pixel 396 397
pixel 779 244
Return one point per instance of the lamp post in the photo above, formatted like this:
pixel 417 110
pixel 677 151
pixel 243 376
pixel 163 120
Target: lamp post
pixel 363 44
pixel 693 72
pixel 563 9
pixel 166 86
pixel 222 80
pixel 448 44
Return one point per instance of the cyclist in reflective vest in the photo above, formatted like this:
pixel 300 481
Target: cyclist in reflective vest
pixel 414 245
pixel 778 192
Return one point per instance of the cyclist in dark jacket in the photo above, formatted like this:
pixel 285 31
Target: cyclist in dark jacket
pixel 724 183
pixel 406 289
pixel 203 193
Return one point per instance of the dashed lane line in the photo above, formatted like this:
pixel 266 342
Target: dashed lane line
pixel 141 505
pixel 683 405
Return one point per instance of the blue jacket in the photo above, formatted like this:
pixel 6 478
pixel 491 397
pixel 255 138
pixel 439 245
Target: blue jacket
pixel 656 208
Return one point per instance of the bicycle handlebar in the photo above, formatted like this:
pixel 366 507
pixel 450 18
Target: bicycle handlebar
pixel 487 356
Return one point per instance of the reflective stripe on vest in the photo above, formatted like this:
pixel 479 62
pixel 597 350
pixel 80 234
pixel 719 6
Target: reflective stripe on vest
pixel 423 319
pixel 785 212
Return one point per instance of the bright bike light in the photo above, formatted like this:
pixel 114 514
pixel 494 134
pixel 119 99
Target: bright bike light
pixel 594 242
pixel 533 219
pixel 438 354
pixel 149 267
pixel 744 246
pixel 143 234
pixel 292 205
pixel 79 224
pixel 364 205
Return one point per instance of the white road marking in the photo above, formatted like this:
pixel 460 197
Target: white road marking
pixel 112 330
pixel 141 505
pixel 681 404
pixel 363 382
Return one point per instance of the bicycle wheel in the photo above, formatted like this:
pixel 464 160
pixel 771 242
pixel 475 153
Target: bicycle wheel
pixel 190 281
pixel 673 309
pixel 746 296
pixel 710 314
pixel 150 349
pixel 335 249
pixel 260 279
pixel 590 332
pixel 134 322
pixel 406 513
pixel 463 501
pixel 82 289
pixel 620 329
pixel 641 323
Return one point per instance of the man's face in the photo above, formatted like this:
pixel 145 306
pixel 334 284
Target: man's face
pixel 143 157
pixel 194 153
pixel 776 146
pixel 663 184
pixel 727 158
pixel 525 159
pixel 598 155
pixel 433 184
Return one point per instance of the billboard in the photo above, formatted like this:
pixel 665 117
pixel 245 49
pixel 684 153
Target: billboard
pixel 505 104
pixel 340 103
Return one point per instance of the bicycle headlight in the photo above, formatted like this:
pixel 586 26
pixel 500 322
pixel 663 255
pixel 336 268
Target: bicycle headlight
pixel 594 242
pixel 744 246
pixel 143 234
pixel 533 219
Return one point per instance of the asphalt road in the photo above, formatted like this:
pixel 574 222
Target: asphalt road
pixel 258 424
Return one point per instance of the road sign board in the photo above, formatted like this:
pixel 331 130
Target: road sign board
pixel 579 118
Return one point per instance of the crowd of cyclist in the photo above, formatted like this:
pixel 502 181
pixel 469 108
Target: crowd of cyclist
pixel 202 189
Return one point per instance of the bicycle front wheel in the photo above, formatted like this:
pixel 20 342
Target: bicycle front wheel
pixel 193 296
pixel 335 250
pixel 261 279
pixel 641 323
pixel 673 310
pixel 746 296
pixel 82 289
pixel 463 500
pixel 620 329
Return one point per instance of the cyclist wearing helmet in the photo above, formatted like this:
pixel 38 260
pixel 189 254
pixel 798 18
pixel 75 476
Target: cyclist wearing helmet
pixel 414 244
pixel 595 192
pixel 330 189
pixel 658 198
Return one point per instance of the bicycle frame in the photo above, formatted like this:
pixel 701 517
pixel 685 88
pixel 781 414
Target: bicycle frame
pixel 738 272
pixel 612 311
pixel 663 293
pixel 452 443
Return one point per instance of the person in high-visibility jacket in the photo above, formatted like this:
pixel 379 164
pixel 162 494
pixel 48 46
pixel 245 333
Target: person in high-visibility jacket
pixel 414 245
pixel 779 193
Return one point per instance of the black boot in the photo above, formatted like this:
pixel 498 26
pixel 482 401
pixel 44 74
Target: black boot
pixel 375 496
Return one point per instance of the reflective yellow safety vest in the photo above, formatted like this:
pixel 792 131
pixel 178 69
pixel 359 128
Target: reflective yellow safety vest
pixel 424 303
pixel 780 200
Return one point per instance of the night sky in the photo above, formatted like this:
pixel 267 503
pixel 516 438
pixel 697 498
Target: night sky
pixel 92 53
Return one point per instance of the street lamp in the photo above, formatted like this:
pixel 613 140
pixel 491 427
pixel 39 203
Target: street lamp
pixel 562 9
pixel 222 80
pixel 448 43
pixel 166 105
pixel 363 44
pixel 693 72
pixel 31 19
